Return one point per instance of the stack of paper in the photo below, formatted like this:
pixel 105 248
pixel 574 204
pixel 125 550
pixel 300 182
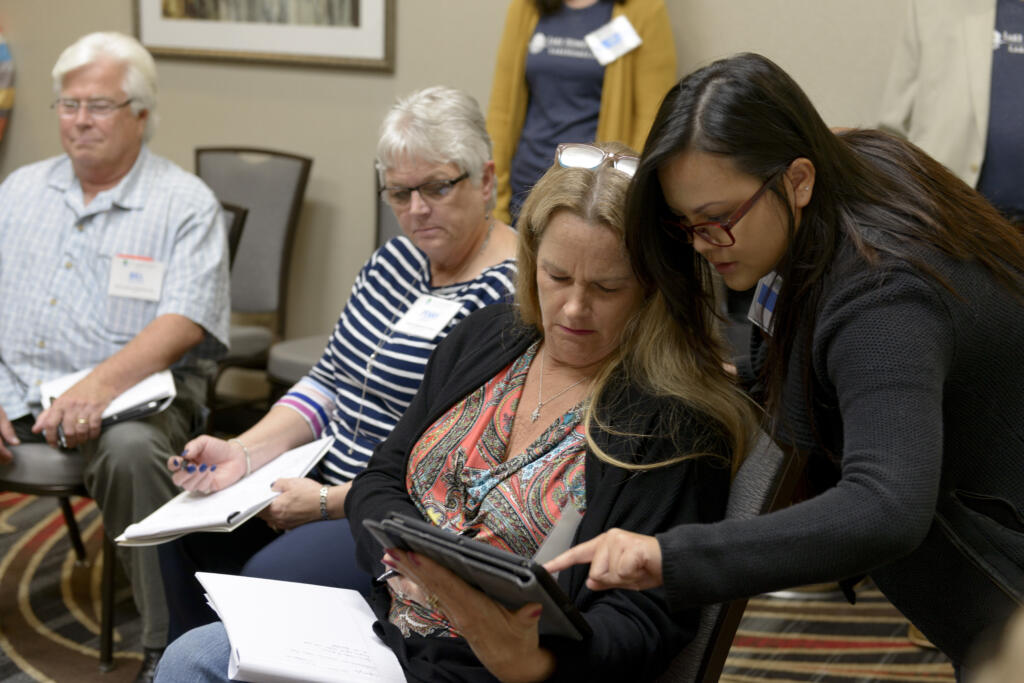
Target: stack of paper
pixel 226 509
pixel 149 396
pixel 282 631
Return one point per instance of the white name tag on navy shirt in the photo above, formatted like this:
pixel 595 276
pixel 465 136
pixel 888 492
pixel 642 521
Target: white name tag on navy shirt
pixel 136 277
pixel 427 317
pixel 613 40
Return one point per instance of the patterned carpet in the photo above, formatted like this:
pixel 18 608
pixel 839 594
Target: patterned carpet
pixel 828 640
pixel 49 605
pixel 49 618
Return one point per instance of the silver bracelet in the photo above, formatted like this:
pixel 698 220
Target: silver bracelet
pixel 323 504
pixel 248 460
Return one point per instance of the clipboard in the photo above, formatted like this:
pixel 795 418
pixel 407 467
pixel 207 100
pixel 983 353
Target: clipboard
pixel 150 396
pixel 508 578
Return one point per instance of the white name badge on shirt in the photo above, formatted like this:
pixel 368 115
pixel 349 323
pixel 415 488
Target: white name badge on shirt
pixel 136 277
pixel 427 317
pixel 762 307
pixel 613 40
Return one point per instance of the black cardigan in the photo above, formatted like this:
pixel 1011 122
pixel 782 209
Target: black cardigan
pixel 918 394
pixel 635 634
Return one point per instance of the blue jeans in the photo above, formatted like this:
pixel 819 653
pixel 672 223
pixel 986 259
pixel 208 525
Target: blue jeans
pixel 200 655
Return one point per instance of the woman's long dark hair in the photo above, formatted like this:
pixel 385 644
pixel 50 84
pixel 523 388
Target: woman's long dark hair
pixel 877 194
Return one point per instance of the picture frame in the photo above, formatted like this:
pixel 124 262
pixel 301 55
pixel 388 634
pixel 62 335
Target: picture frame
pixel 362 38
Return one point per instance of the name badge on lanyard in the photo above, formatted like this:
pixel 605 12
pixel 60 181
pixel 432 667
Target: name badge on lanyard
pixel 136 277
pixel 762 308
pixel 427 317
pixel 613 40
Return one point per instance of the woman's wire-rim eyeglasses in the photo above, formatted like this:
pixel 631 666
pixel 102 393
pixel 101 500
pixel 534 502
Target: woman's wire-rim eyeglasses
pixel 719 233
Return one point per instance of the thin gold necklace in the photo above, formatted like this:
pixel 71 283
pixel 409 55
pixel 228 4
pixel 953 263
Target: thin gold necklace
pixel 535 415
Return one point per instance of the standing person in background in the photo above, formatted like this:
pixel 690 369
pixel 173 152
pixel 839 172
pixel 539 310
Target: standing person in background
pixel 956 89
pixel 549 87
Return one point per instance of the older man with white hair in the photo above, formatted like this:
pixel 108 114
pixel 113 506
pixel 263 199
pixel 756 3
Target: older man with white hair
pixel 115 259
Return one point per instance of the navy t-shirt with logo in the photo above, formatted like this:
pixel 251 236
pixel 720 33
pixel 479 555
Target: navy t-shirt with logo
pixel 1002 174
pixel 564 81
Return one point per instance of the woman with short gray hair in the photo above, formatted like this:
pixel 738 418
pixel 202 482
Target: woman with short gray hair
pixel 453 258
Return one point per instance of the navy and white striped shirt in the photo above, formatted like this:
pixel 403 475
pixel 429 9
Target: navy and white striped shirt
pixel 369 373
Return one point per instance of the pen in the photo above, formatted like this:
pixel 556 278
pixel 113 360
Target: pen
pixel 387 575
pixel 61 439
pixel 468 532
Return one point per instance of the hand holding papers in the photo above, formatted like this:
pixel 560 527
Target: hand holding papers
pixel 226 509
pixel 298 632
pixel 148 397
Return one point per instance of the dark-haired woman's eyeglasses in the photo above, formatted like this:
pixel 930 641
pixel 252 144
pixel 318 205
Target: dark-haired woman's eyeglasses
pixel 719 233
pixel 579 155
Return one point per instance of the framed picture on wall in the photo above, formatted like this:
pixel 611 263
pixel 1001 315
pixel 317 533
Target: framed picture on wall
pixel 335 33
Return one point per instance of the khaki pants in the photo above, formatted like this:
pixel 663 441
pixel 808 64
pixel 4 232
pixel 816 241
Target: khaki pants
pixel 126 474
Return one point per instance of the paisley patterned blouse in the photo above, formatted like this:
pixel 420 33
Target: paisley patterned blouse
pixel 461 480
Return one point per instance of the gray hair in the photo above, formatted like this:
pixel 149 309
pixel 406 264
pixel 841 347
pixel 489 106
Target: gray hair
pixel 139 69
pixel 436 125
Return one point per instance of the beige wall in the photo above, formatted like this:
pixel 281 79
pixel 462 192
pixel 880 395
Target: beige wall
pixel 838 50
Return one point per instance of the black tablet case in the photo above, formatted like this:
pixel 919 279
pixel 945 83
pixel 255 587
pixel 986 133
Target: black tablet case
pixel 508 578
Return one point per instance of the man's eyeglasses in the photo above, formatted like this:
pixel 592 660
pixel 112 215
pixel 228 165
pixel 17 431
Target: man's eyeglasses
pixel 432 191
pixel 101 108
pixel 579 155
pixel 719 233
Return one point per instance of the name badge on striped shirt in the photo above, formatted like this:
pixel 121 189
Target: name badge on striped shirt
pixel 762 308
pixel 136 277
pixel 427 317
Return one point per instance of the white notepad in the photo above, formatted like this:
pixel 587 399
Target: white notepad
pixel 148 397
pixel 282 631
pixel 227 509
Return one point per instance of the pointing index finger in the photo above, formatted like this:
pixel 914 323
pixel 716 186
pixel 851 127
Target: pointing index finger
pixel 580 554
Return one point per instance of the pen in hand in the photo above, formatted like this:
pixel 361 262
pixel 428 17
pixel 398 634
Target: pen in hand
pixel 390 573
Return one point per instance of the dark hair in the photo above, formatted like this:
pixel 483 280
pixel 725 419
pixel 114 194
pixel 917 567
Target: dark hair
pixel 874 195
pixel 552 6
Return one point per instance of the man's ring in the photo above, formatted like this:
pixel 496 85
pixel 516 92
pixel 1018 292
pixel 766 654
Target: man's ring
pixel 432 603
pixel 82 421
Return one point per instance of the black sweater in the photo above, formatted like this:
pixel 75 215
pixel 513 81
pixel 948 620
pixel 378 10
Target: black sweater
pixel 635 634
pixel 919 397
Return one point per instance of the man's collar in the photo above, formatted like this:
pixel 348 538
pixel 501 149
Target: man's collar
pixel 129 193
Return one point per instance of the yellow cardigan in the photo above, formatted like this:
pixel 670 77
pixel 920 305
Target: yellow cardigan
pixel 631 92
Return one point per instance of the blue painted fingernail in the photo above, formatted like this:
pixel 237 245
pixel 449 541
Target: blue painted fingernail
pixel 213 467
pixel 202 468
pixel 175 462
pixel 190 468
pixel 184 452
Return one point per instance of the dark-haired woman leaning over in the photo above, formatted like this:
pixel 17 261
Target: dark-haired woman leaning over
pixel 891 354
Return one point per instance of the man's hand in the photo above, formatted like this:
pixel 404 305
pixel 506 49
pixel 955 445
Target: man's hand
pixel 7 437
pixel 79 410
pixel 618 559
